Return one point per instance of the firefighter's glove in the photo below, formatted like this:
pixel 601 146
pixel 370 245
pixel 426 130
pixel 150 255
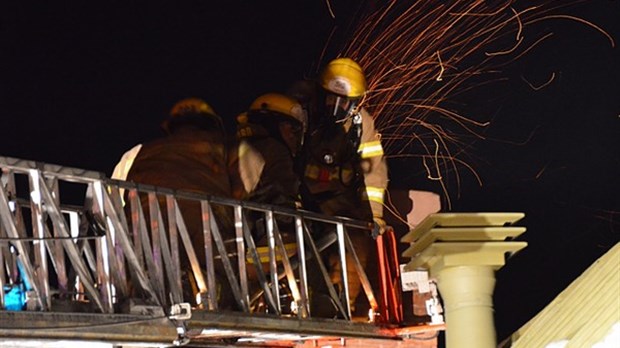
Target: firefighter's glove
pixel 378 227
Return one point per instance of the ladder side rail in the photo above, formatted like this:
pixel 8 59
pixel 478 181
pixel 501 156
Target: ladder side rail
pixel 65 173
pixel 347 222
pixel 262 279
pixel 156 250
pixel 173 234
pixel 70 248
pixel 264 207
pixel 38 232
pixel 11 227
pixel 209 256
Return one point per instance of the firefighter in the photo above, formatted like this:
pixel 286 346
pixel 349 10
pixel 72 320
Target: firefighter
pixel 270 135
pixel 191 157
pixel 343 168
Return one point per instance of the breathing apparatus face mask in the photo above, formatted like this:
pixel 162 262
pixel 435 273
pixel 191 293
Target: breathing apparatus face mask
pixel 339 108
pixel 292 134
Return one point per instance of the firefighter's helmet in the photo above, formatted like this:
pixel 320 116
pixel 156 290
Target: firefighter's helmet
pixel 344 84
pixel 343 76
pixel 278 105
pixel 193 111
pixel 282 117
pixel 192 106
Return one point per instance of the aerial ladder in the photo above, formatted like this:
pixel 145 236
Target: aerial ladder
pixel 76 247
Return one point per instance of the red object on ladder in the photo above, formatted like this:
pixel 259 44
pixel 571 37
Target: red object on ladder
pixel 390 307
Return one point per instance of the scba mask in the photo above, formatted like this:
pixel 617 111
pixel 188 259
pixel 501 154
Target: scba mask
pixel 339 108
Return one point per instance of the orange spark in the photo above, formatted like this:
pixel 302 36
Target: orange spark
pixel 400 45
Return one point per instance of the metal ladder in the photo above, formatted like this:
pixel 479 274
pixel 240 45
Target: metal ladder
pixel 66 233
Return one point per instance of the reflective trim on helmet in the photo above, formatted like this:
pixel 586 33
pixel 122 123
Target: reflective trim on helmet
pixel 244 132
pixel 371 149
pixel 374 194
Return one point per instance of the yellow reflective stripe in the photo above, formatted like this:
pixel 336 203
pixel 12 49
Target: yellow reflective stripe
pixel 263 253
pixel 243 149
pixel 371 149
pixel 122 168
pixel 374 194
pixel 312 171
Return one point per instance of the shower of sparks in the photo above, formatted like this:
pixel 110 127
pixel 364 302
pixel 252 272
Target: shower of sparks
pixel 418 55
pixel 329 7
pixel 537 88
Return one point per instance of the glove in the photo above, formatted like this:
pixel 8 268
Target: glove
pixel 378 227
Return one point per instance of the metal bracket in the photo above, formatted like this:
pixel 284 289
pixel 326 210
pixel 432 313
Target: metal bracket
pixel 182 338
pixel 181 311
pixel 433 306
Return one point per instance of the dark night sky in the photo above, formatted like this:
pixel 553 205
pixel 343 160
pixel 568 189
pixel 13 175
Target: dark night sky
pixel 82 83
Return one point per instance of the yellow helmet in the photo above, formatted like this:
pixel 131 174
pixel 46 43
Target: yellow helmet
pixel 278 104
pixel 343 76
pixel 191 106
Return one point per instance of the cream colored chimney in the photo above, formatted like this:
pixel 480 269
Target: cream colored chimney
pixel 462 251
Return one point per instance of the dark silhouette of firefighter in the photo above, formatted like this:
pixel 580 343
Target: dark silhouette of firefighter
pixel 269 136
pixel 342 165
pixel 191 157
